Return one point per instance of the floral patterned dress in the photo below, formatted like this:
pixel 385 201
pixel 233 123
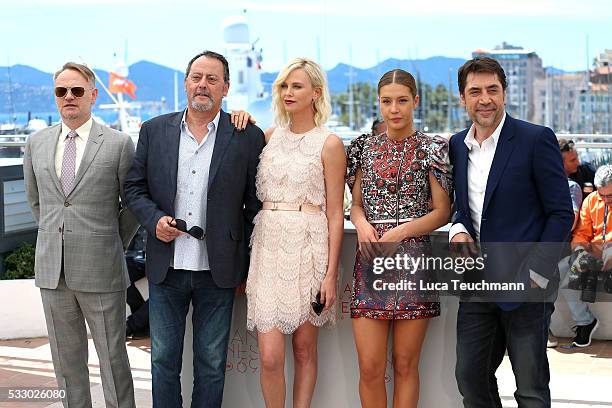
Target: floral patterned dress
pixel 395 189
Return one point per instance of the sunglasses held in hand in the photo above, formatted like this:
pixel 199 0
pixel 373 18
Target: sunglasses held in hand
pixel 195 231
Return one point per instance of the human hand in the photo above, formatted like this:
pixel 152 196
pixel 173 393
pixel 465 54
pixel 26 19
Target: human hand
pixel 241 118
pixel 462 244
pixel 390 241
pixel 328 291
pixel 576 257
pixel 367 238
pixel 241 290
pixel 165 230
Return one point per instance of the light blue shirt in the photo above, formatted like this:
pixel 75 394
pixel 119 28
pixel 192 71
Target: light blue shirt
pixel 191 195
pixel 576 193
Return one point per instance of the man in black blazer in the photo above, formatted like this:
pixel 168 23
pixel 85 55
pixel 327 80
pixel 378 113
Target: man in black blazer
pixel 192 186
pixel 511 197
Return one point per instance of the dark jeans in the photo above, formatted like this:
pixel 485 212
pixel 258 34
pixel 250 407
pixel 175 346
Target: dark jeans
pixel 484 333
pixel 212 314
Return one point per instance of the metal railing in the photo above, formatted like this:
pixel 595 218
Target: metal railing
pixel 582 141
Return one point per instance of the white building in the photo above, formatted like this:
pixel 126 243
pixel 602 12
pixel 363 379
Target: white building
pixel 522 68
pixel 569 102
pixel 557 101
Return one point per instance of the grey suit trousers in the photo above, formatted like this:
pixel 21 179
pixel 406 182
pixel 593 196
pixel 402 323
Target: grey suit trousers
pixel 65 313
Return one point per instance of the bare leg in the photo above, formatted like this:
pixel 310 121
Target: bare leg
pixel 305 358
pixel 408 336
pixel 371 338
pixel 272 357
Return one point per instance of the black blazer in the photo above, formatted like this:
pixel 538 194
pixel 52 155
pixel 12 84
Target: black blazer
pixel 150 191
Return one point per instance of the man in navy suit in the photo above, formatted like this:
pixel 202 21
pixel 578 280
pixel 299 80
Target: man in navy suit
pixel 192 186
pixel 510 188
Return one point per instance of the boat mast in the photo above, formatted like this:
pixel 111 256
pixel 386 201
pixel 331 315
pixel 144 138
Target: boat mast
pixel 10 93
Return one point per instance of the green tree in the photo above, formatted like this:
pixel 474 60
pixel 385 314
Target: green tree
pixel 20 263
pixel 436 108
pixel 364 104
pixel 432 110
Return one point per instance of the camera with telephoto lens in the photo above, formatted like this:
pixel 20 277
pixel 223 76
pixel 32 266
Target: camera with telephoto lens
pixel 584 273
pixel 589 285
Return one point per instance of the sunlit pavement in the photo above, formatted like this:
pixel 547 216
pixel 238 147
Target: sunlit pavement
pixel 580 378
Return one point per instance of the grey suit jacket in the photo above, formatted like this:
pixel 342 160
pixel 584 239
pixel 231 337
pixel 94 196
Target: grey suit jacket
pixel 88 226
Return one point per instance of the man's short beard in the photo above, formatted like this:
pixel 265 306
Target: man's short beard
pixel 203 107
pixel 492 120
pixel 70 116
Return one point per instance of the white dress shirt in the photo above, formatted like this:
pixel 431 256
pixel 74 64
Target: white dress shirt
pixel 80 141
pixel 480 159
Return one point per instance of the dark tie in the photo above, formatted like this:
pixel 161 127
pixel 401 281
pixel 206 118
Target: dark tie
pixel 69 162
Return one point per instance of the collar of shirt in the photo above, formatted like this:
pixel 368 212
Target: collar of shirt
pixel 211 125
pixel 470 140
pixel 82 131
pixel 600 202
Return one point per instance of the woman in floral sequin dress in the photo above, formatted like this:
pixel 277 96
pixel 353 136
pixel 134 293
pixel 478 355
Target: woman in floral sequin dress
pixel 401 185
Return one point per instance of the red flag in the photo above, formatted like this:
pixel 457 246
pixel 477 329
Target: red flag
pixel 117 84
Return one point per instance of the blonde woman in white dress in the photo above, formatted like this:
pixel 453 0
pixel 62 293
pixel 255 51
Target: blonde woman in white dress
pixel 298 233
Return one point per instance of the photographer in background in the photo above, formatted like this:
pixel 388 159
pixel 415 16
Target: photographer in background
pixel 592 254
pixel 581 173
pixel 378 126
pixel 570 164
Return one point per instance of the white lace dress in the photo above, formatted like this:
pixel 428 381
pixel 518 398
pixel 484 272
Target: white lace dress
pixel 289 248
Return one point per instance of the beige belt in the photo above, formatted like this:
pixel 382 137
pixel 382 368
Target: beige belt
pixel 274 206
pixel 401 220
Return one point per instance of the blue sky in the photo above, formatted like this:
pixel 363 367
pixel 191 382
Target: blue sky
pixel 46 33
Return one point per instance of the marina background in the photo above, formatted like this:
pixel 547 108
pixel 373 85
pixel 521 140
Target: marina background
pixel 355 41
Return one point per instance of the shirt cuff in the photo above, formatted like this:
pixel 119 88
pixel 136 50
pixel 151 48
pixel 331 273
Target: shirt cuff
pixel 456 229
pixel 538 279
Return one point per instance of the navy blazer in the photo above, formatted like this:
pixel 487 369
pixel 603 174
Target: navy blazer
pixel 150 191
pixel 527 200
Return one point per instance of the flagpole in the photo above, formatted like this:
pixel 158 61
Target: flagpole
pixel 101 83
pixel 122 112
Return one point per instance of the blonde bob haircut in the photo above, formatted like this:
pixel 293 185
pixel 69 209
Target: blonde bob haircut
pixel 321 105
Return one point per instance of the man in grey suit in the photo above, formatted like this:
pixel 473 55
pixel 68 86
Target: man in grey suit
pixel 74 173
pixel 192 186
